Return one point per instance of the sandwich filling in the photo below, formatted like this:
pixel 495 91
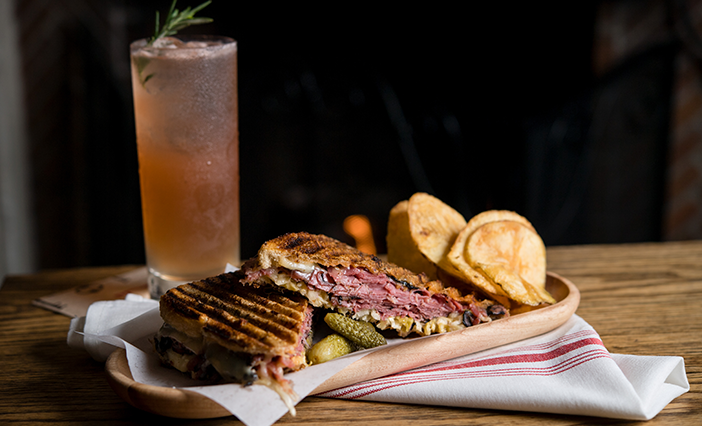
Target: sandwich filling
pixel 190 356
pixel 375 298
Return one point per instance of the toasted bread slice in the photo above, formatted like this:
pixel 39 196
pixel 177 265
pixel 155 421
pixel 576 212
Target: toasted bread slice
pixel 238 318
pixel 301 251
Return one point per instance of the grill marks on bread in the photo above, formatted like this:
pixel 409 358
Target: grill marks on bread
pixel 240 318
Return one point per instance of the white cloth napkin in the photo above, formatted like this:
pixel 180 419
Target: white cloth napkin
pixel 104 316
pixel 566 371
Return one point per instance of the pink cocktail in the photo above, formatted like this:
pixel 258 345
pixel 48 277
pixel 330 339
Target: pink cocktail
pixel 186 113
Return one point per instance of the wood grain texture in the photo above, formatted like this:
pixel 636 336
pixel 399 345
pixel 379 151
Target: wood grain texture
pixel 643 299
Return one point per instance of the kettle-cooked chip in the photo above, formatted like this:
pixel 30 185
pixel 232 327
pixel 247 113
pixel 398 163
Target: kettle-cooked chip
pixel 501 252
pixel 462 269
pixel 434 227
pixel 464 285
pixel 513 257
pixel 496 251
pixel 402 249
pixel 458 260
pixel 493 216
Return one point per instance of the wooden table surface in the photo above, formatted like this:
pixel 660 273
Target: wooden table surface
pixel 643 299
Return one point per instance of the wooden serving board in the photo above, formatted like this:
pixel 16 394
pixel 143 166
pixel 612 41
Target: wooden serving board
pixel 414 353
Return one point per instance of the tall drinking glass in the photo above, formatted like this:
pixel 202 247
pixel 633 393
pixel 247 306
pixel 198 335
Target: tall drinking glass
pixel 186 113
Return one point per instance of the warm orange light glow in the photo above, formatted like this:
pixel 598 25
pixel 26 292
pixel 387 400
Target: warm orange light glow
pixel 358 226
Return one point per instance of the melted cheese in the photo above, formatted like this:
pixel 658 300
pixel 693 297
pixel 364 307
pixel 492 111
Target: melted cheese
pixel 405 325
pixel 178 361
pixel 288 396
pixel 195 344
pixel 295 266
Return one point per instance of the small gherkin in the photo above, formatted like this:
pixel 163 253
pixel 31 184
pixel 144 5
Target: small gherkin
pixel 359 332
pixel 332 346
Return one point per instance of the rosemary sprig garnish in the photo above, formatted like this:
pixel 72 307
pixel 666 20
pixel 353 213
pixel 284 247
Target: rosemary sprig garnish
pixel 177 20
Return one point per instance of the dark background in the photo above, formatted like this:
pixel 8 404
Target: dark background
pixel 350 108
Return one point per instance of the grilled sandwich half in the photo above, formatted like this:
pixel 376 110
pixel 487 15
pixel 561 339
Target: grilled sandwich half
pixel 217 328
pixel 334 275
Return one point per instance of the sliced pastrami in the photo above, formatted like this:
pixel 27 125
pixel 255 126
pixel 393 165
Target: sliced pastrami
pixel 357 289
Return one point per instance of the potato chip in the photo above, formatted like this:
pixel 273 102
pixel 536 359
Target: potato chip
pixel 513 256
pixel 467 286
pixel 459 263
pixel 434 227
pixel 497 252
pixel 456 253
pixel 402 249
pixel 528 286
pixel 493 216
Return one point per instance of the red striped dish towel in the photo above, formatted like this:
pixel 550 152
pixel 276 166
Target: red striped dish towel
pixel 565 371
